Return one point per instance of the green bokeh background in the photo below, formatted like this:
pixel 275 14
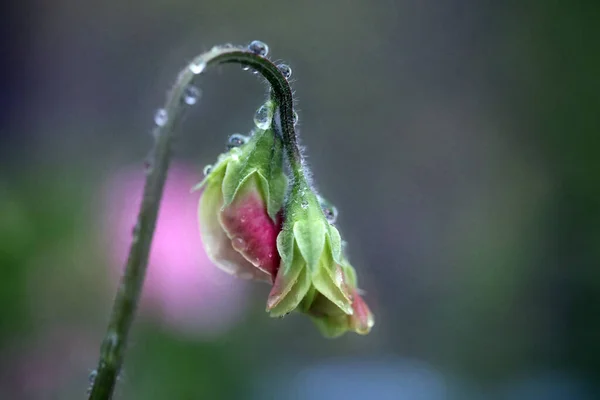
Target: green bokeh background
pixel 459 141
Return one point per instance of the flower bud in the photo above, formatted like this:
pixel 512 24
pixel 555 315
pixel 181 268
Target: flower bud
pixel 240 206
pixel 314 276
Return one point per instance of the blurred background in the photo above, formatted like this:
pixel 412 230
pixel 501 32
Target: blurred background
pixel 459 141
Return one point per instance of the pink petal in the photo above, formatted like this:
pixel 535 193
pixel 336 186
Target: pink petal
pixel 217 244
pixel 252 231
pixel 361 320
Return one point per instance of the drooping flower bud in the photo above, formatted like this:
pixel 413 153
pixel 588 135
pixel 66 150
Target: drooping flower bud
pixel 314 276
pixel 239 210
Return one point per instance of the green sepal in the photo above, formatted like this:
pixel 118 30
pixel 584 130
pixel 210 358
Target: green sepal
pixel 331 327
pixel 285 247
pixel 307 232
pixel 329 319
pixel 310 239
pixel 335 242
pixel 297 285
pixel 329 283
pixel 263 156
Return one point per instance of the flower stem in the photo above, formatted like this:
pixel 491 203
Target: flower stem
pixel 123 312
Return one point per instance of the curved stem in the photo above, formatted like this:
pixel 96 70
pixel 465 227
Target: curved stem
pixel 114 344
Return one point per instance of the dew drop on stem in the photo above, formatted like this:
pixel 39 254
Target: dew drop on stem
pixel 259 48
pixel 285 70
pixel 197 67
pixel 263 117
pixel 191 95
pixel 161 117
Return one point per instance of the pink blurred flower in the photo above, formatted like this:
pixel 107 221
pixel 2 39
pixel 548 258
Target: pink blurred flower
pixel 183 288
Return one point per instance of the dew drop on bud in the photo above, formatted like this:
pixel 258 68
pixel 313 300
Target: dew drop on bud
pixel 262 118
pixel 304 204
pixel 239 244
pixel 208 169
pixel 285 70
pixel 330 212
pixel 295 118
pixel 161 117
pixel 191 95
pixel 259 48
pixel 197 67
pixel 236 140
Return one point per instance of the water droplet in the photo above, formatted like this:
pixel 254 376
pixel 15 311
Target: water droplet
pixel 329 210
pixel 136 229
pixel 197 67
pixel 331 213
pixel 295 118
pixel 239 244
pixel 161 117
pixel 110 342
pixel 339 279
pixel 370 322
pixel 227 46
pixel 258 47
pixel 248 68
pixel 191 95
pixel 236 140
pixel 304 204
pixel 91 379
pixel 208 169
pixel 92 376
pixel 263 116
pixel 285 70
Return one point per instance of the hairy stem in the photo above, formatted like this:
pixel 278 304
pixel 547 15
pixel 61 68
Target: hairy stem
pixel 123 312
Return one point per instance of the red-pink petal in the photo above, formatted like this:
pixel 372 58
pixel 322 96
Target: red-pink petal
pixel 361 320
pixel 252 231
